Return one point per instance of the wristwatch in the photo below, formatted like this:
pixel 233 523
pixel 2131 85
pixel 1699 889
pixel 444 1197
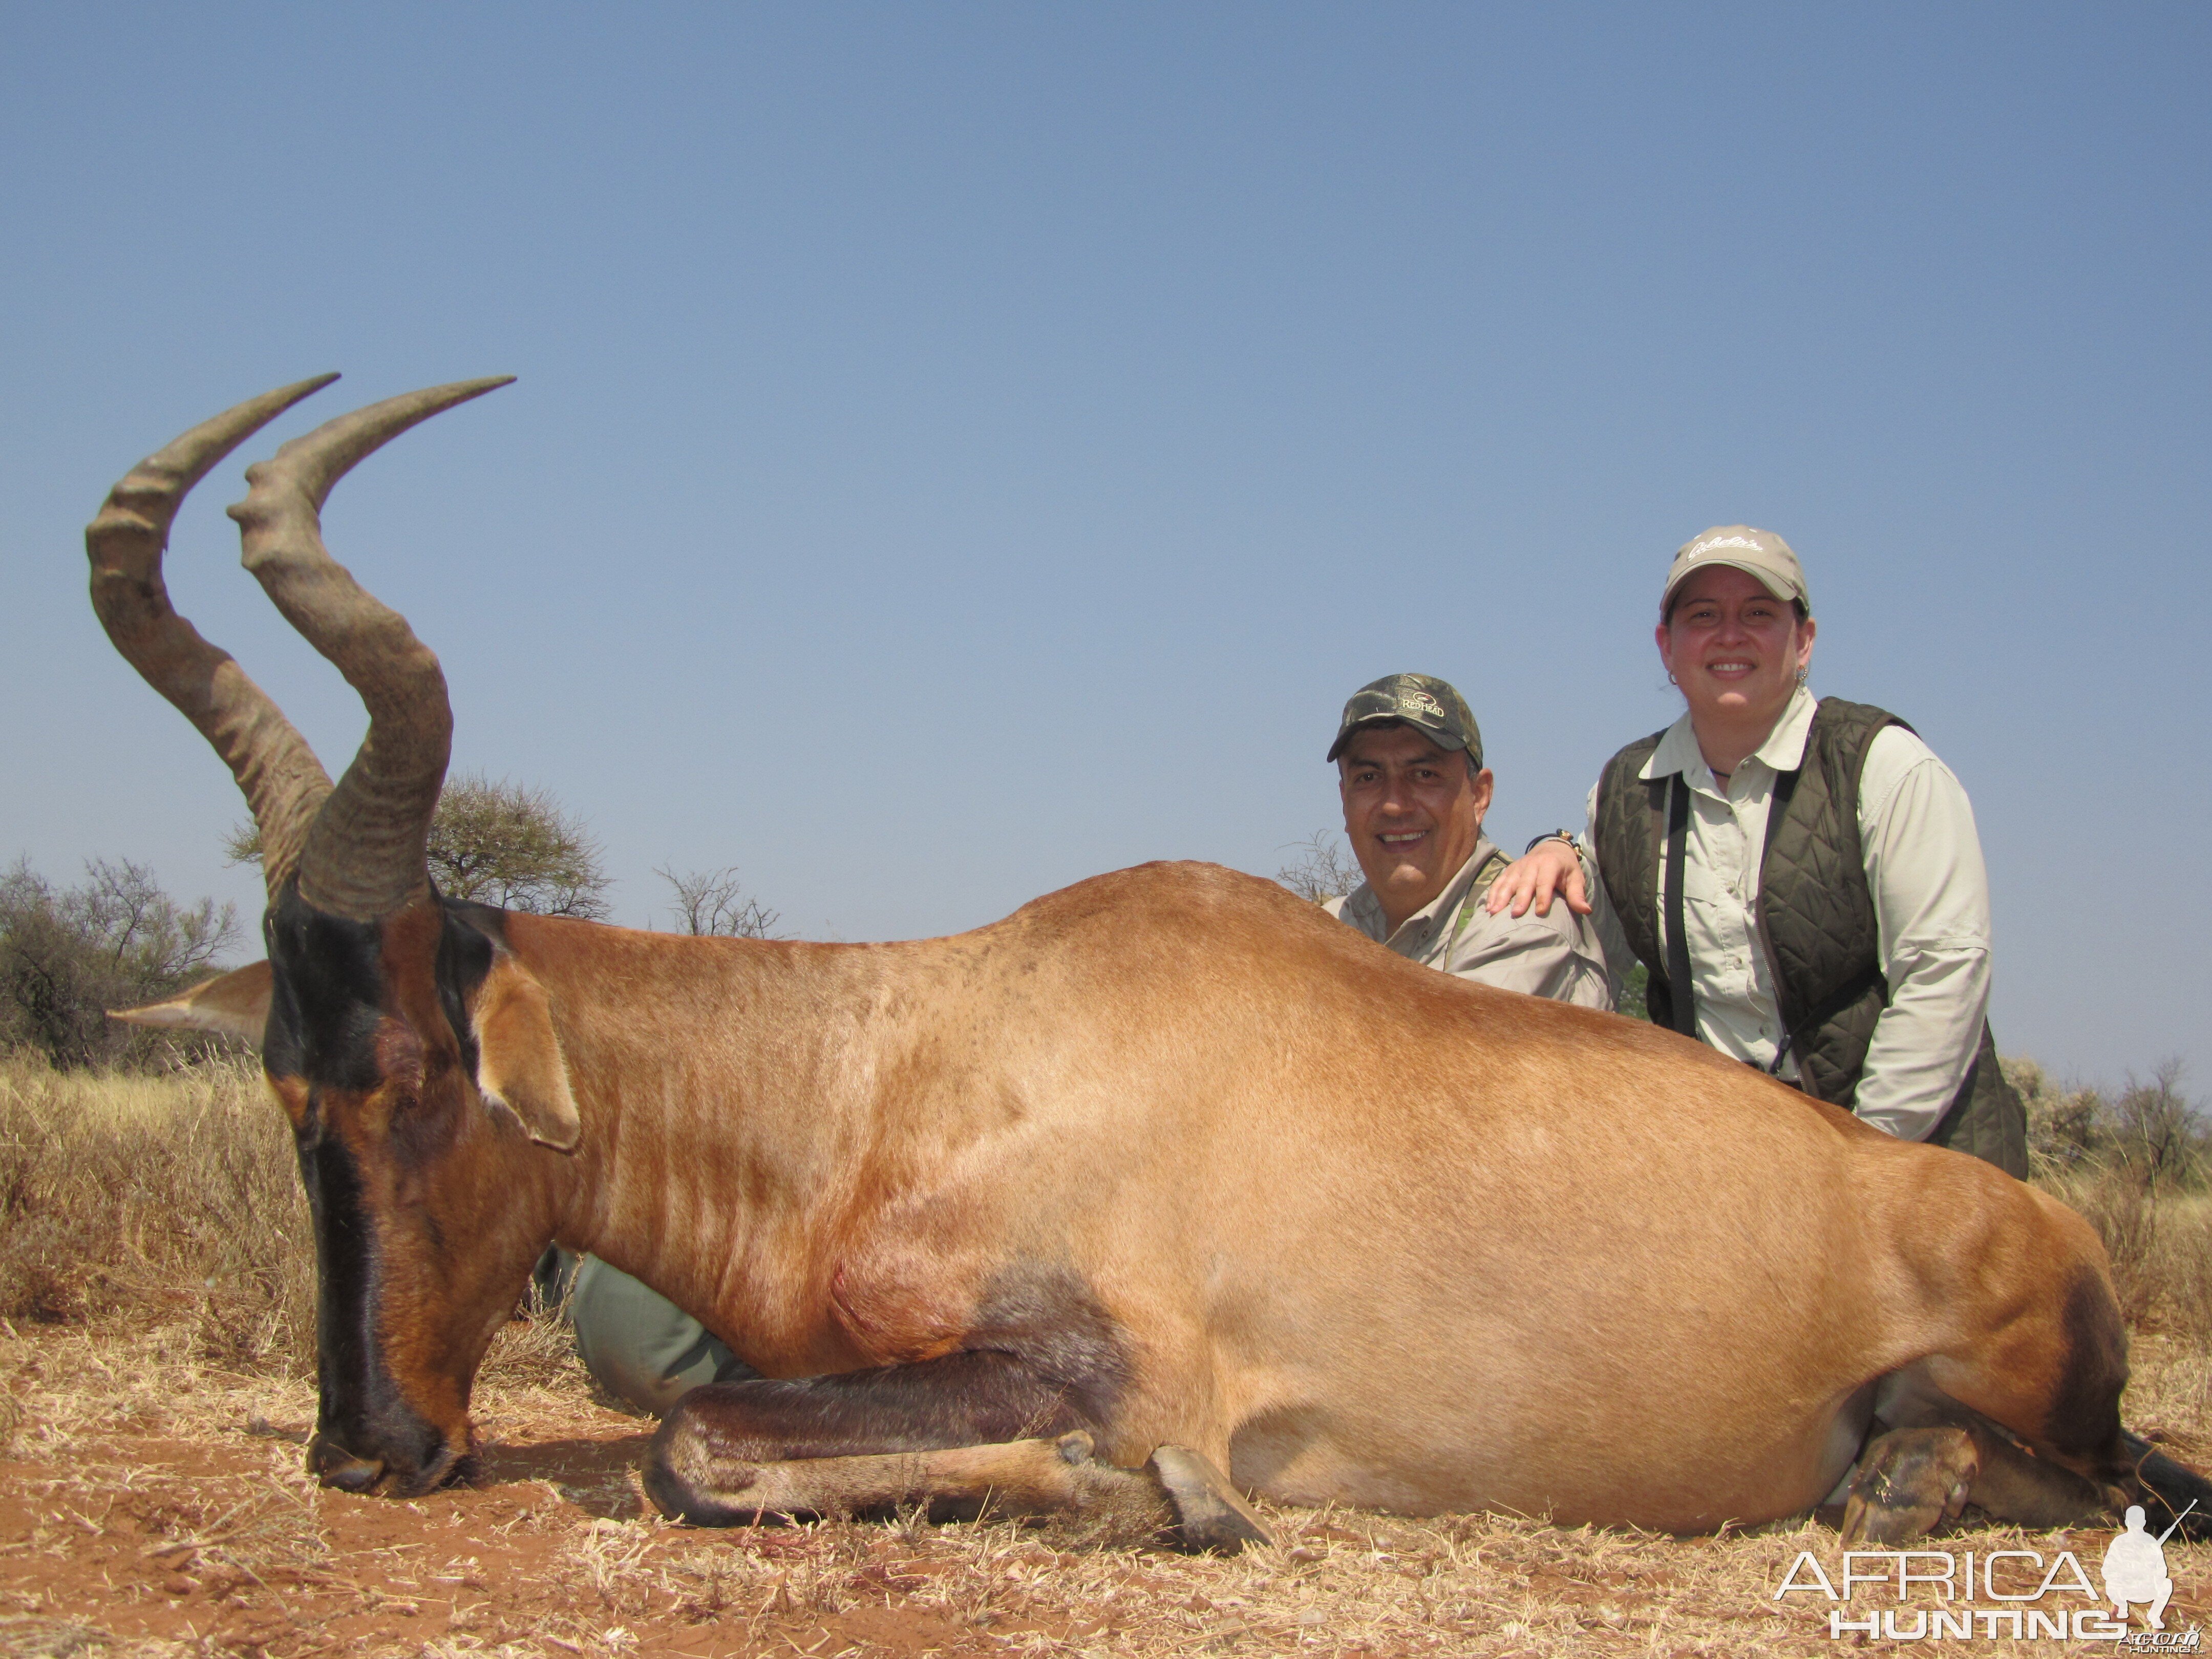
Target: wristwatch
pixel 1566 835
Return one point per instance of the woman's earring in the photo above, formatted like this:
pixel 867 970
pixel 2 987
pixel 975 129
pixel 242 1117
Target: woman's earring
pixel 1671 680
pixel 1801 674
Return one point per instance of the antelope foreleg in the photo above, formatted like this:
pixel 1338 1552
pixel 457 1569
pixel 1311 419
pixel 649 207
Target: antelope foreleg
pixel 1177 1495
pixel 2170 1492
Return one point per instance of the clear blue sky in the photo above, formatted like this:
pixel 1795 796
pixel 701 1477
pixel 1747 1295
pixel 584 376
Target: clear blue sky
pixel 962 448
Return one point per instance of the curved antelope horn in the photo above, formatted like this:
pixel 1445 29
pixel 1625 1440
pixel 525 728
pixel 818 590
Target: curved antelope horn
pixel 283 780
pixel 363 855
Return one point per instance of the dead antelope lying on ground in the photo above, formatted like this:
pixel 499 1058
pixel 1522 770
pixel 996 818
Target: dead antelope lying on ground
pixel 1164 1175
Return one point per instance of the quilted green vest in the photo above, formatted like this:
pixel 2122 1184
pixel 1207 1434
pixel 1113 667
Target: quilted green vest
pixel 1815 917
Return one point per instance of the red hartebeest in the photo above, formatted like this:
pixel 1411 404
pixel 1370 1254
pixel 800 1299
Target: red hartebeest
pixel 1168 1165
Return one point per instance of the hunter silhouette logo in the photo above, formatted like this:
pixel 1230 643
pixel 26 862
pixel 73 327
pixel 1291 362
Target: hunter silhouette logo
pixel 2135 1569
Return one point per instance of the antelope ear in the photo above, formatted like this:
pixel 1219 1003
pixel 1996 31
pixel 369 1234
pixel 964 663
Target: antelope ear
pixel 230 1004
pixel 518 1063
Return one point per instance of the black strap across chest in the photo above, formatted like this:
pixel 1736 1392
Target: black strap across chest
pixel 1682 1003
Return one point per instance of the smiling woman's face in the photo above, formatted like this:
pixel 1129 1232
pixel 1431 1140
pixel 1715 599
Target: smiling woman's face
pixel 1734 648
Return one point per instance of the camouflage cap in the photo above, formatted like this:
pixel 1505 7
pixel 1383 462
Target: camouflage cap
pixel 1758 553
pixel 1423 701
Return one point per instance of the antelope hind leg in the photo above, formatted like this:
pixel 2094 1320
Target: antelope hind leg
pixel 2032 1374
pixel 1912 1479
pixel 1177 1494
pixel 1944 1456
pixel 1908 1480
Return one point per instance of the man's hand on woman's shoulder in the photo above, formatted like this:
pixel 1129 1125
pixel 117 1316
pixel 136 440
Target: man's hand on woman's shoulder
pixel 1550 870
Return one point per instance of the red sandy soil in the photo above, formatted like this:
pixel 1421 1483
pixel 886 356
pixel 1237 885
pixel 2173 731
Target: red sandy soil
pixel 152 1507
pixel 212 1542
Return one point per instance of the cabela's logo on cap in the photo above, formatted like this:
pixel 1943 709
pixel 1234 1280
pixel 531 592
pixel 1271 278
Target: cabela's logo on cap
pixel 1698 549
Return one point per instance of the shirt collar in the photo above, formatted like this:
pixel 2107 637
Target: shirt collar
pixel 1783 751
pixel 1372 922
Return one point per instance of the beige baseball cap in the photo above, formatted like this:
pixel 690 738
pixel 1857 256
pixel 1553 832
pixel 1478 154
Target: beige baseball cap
pixel 1760 553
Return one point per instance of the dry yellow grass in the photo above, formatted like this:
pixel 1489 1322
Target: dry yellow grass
pixel 153 1499
pixel 2161 1247
pixel 155 1197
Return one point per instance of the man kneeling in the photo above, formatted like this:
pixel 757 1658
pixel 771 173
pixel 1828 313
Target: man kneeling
pixel 1409 770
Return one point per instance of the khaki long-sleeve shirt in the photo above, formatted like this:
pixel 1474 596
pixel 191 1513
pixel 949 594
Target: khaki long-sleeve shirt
pixel 1931 899
pixel 1557 956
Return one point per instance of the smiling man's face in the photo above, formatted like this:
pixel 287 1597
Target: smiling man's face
pixel 1413 811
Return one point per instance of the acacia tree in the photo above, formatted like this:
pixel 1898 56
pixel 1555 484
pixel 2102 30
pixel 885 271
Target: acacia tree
pixel 506 844
pixel 501 843
pixel 712 901
pixel 68 955
pixel 1323 869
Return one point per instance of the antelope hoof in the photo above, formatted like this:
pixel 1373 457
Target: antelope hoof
pixel 686 1481
pixel 696 1506
pixel 1210 1517
pixel 1909 1479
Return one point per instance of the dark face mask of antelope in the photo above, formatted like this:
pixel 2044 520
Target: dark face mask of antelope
pixel 419 1069
pixel 414 1056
